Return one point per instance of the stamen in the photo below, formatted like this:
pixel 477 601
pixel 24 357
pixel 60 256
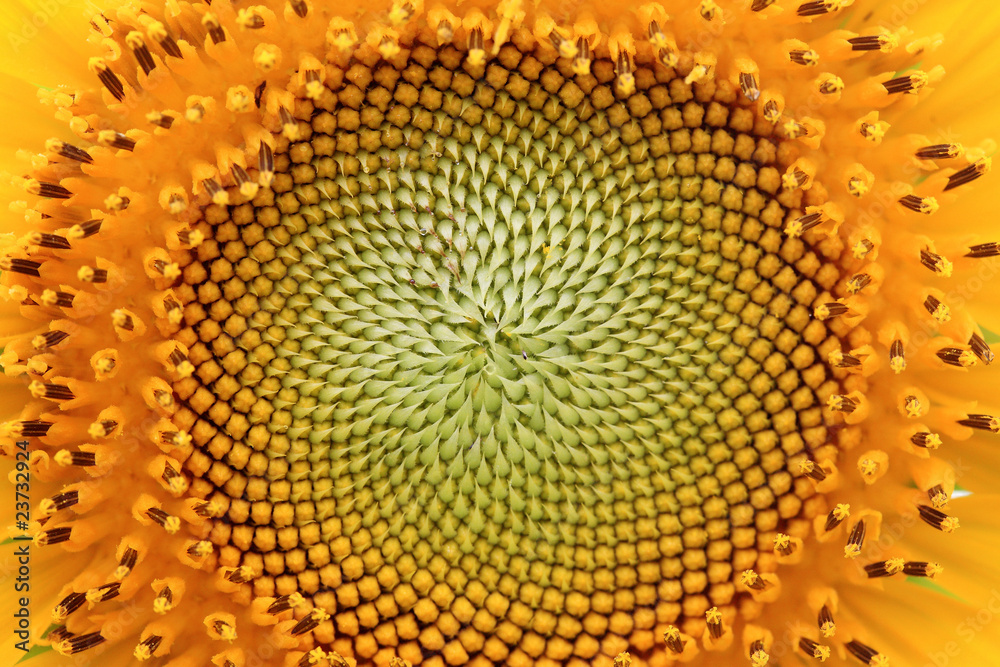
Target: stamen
pixel 866 654
pixel 909 83
pixel 956 356
pixel 672 636
pixel 819 7
pixel 862 248
pixel 753 581
pixel 581 64
pixel 53 536
pixel 249 19
pixel 830 84
pixel 982 422
pixel 67 606
pixel 940 151
pixel 147 647
pixel 926 439
pixel 969 174
pixel 81 459
pixel 622 660
pixel 158 32
pixel 137 42
pixel 265 161
pixel 925 205
pixel 214 28
pixel 897 360
pixel 814 649
pixel 806 57
pixel 55 299
pixel 922 569
pixel 30 429
pixel 937 519
pixel 938 310
pixel 25 267
pixel 169 523
pixel 112 139
pixel 160 119
pixel 825 311
pixel 984 250
pixel 713 619
pixel 856 540
pixel 623 72
pixel 758 656
pixel 49 190
pixel 301 7
pixel 48 340
pixel 79 643
pixel 978 345
pixel 760 5
pixel 784 545
pixel 827 627
pixel 89 274
pixel 104 593
pixel 51 391
pixel 164 600
pixel 108 78
pixel 936 263
pixel 885 568
pixel 69 151
pixel 803 224
pixel 884 43
pixel 812 469
pixel 937 496
pixel 836 516
pixel 285 602
pixel 842 403
pixel 239 575
pixel 309 622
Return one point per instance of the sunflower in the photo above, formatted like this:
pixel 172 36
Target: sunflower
pixel 500 333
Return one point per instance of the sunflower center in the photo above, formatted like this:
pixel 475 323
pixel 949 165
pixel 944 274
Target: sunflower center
pixel 521 350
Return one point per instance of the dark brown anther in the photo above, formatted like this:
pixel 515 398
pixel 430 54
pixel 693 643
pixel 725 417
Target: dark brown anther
pixel 806 57
pixel 934 262
pixel 265 159
pixel 939 152
pixel 149 645
pixel 71 152
pixel 807 222
pixel 863 653
pixel 713 618
pixel 968 174
pixel 956 356
pixel 53 241
pixel 239 575
pixel 53 536
pixel 48 339
pixel 80 643
pixel 61 501
pixel 760 5
pixel 937 496
pixel 54 392
pixel 979 347
pixel 141 52
pixel 932 304
pixel 280 604
pixel 884 568
pixel 116 140
pixel 904 84
pixel 110 81
pixel 158 515
pixel 926 439
pixel 813 649
pixel 816 8
pixel 25 267
pixel 258 94
pixel 68 605
pixel 160 119
pixel 835 517
pixel 918 204
pixel 867 43
pixel 812 470
pixel 672 637
pixel 916 568
pixel 982 423
pixel 83 459
pixel 168 44
pixel 855 540
pixel 86 229
pixel 300 7
pixel 984 250
pixel 214 28
pixel 308 622
pixel 935 518
pixel 49 190
pixel 108 591
pixel 34 428
pixel 128 559
pixel 825 622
